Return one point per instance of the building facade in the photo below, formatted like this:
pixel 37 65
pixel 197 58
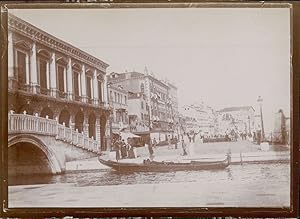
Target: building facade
pixel 199 118
pixel 118 101
pixel 240 119
pixel 138 111
pixel 50 78
pixel 160 98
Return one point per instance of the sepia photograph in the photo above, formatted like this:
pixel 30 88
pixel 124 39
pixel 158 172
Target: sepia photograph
pixel 149 107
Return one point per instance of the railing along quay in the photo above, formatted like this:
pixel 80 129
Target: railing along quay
pixel 24 123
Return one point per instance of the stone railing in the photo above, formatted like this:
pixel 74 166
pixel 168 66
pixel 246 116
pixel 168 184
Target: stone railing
pixel 23 123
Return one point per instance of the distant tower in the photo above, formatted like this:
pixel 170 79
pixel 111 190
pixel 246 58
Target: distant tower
pixel 146 70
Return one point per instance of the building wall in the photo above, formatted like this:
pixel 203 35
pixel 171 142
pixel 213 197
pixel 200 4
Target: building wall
pixel 118 99
pixel 50 78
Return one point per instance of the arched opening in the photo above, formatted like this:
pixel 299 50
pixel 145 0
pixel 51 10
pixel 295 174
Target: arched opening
pixel 79 118
pixel 47 112
pixel 92 125
pixel 25 158
pixel 26 108
pixel 102 132
pixel 64 117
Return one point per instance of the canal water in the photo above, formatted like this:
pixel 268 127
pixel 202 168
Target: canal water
pixel 243 173
pixel 248 185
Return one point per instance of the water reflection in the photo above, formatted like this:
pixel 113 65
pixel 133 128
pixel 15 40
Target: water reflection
pixel 243 173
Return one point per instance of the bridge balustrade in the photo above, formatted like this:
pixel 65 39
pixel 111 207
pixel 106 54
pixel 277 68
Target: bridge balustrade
pixel 23 123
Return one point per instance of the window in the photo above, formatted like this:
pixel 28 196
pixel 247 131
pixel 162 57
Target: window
pixel 142 105
pixel 76 85
pixel 100 91
pixel 125 99
pixel 42 68
pixel 21 57
pixel 142 116
pixel 61 78
pixel 89 87
pixel 115 97
pixel 111 96
pixel 121 98
pixel 142 88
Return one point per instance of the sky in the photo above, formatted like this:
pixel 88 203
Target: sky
pixel 222 56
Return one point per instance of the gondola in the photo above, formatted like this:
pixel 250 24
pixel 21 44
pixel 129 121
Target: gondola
pixel 166 166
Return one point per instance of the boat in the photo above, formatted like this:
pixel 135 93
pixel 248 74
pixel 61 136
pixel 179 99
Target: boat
pixel 166 166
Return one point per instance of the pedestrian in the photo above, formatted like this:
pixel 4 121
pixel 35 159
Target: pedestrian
pixel 169 142
pixel 131 153
pixel 183 145
pixel 176 142
pixel 258 137
pixel 154 143
pixel 151 152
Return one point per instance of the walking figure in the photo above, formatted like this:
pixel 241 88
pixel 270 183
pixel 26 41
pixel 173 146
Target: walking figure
pixel 154 143
pixel 183 145
pixel 176 142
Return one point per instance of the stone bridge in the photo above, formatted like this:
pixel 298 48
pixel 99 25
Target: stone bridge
pixel 39 145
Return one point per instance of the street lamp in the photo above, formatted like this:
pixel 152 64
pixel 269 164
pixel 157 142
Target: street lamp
pixel 260 103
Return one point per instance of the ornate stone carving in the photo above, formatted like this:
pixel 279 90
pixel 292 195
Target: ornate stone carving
pixel 22 27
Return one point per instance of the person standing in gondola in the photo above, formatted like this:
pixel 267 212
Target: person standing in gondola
pixel 117 149
pixel 123 149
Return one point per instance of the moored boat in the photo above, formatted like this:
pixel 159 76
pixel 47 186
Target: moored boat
pixel 165 166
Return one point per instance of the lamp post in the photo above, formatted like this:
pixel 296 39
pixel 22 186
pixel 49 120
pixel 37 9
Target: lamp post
pixel 260 103
pixel 249 130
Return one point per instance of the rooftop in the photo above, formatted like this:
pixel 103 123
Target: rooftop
pixel 237 108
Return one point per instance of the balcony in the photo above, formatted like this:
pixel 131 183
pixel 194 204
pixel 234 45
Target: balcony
pixel 45 91
pixel 119 125
pixel 62 94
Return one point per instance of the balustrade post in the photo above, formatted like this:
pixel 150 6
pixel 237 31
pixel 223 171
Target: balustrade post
pixel 71 135
pixel 56 128
pixel 77 136
pixel 64 136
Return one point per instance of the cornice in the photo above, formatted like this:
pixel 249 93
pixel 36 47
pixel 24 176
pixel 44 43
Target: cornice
pixel 24 28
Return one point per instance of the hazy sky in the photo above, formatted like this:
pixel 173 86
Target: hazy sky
pixel 225 57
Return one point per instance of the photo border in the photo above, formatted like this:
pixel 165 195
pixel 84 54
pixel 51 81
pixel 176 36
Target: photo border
pixel 156 211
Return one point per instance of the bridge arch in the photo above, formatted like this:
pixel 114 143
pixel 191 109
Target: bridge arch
pixel 52 160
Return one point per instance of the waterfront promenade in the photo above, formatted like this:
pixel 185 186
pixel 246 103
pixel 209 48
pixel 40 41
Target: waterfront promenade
pixel 241 152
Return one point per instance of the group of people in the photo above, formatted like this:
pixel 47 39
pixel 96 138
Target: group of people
pixel 124 149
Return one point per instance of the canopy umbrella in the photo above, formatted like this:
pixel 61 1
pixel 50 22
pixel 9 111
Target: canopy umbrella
pixel 126 135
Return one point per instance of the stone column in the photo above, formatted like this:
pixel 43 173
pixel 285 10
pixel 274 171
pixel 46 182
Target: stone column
pixel 95 88
pixel 48 75
pixel 69 80
pixel 10 60
pixel 53 88
pixel 97 138
pixel 72 121
pixel 105 99
pixel 33 69
pixel 65 80
pixel 79 84
pixel 86 124
pixel 83 84
pixel 27 69
pixel 10 55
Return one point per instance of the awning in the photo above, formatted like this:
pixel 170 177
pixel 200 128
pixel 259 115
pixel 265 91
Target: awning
pixel 126 135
